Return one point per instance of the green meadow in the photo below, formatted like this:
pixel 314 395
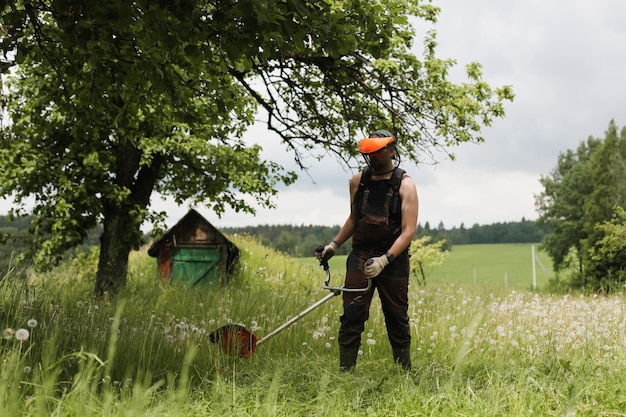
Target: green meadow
pixel 478 349
pixel 492 266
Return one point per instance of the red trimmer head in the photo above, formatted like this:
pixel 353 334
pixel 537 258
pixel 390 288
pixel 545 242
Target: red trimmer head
pixel 235 340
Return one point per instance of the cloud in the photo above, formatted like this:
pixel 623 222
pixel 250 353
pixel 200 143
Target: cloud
pixel 321 206
pixel 564 61
pixel 447 194
pixel 477 195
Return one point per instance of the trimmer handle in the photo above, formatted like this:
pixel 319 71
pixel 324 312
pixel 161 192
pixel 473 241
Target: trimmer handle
pixel 338 289
pixel 323 262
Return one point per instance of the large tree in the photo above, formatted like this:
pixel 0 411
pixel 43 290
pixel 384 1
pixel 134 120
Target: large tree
pixel 115 100
pixel 607 170
pixel 602 211
pixel 580 196
pixel 561 204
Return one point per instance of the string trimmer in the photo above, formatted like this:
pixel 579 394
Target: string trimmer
pixel 235 339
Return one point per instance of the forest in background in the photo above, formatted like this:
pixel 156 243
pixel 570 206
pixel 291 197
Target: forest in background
pixel 298 241
pixel 301 241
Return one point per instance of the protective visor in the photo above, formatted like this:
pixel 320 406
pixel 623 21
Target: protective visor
pixel 371 145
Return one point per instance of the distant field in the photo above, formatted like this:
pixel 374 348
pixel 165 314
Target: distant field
pixel 490 265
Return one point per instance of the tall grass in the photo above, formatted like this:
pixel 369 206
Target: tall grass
pixel 476 351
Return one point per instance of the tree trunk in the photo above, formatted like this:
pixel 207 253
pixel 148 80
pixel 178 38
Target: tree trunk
pixel 114 250
pixel 122 224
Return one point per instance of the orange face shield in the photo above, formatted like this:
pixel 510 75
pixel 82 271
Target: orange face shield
pixel 371 145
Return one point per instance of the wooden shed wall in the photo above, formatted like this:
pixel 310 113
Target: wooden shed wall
pixel 193 231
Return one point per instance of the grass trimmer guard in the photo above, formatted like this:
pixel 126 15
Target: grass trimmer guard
pixel 235 339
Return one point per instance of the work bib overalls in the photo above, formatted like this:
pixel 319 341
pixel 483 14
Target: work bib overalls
pixel 378 224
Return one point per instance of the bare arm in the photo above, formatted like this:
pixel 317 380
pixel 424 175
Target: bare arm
pixel 348 227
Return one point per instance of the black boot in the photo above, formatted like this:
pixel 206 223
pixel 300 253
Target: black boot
pixel 402 356
pixel 347 358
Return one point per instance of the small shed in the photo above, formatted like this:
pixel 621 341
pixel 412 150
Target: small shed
pixel 194 252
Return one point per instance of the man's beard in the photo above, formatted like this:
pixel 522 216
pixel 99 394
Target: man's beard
pixel 379 165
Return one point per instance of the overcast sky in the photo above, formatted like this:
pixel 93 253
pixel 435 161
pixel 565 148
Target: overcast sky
pixel 566 61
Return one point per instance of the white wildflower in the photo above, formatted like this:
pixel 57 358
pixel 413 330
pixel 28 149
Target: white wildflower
pixel 22 335
pixel 8 333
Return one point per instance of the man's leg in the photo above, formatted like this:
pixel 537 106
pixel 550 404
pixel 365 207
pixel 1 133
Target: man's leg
pixel 355 313
pixel 393 290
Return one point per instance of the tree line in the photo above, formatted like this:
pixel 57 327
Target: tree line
pixel 297 241
pixel 301 241
pixel 16 251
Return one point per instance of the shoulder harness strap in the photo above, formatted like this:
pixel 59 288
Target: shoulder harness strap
pixel 362 192
pixel 366 176
pixel 396 179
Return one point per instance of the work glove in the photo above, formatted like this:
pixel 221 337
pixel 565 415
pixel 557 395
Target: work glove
pixel 328 251
pixel 374 266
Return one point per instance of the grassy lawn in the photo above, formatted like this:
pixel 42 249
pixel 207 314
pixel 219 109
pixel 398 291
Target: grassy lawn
pixel 489 264
pixel 476 350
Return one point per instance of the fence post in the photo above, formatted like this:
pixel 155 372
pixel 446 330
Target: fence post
pixel 534 268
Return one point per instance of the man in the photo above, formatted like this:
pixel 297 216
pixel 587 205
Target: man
pixel 382 223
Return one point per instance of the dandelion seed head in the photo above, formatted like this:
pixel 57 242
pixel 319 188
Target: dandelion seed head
pixel 8 333
pixel 22 335
pixel 32 323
